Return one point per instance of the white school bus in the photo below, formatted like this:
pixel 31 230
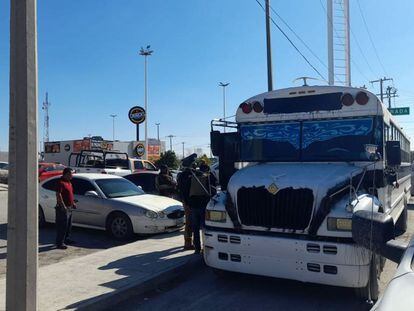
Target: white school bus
pixel 295 168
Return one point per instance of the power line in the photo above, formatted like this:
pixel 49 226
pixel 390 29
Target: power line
pixel 370 37
pixel 293 44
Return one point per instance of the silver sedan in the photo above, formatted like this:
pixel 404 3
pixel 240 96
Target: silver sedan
pixel 114 204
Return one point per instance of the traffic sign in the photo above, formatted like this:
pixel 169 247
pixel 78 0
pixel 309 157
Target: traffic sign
pixel 399 111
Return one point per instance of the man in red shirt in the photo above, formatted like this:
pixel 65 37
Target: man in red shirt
pixel 64 206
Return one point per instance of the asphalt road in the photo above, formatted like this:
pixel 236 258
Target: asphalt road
pixel 88 241
pixel 206 291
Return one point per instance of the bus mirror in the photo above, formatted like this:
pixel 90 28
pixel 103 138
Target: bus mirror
pixel 393 153
pixel 216 143
pixel 382 229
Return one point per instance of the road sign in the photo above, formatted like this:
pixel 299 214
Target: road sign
pixel 137 115
pixel 399 111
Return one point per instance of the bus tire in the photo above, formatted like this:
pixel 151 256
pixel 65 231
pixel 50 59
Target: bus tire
pixel 371 290
pixel 401 224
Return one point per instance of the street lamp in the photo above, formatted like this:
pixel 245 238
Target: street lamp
pixel 158 131
pixel 223 85
pixel 113 116
pixel 146 52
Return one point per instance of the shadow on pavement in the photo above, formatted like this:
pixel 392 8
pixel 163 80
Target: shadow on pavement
pixel 138 269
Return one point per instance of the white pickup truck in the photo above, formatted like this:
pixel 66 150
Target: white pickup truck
pixel 107 162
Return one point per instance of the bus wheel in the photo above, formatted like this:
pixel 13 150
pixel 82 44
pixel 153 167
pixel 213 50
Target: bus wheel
pixel 371 290
pixel 401 224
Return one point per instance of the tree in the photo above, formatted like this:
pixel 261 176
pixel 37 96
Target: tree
pixel 203 158
pixel 168 158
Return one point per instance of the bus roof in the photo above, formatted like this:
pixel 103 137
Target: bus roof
pixel 311 102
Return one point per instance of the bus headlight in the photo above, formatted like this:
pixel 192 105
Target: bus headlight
pixel 216 216
pixel 339 224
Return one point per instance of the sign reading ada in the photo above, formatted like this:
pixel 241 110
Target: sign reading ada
pixel 399 111
pixel 137 114
pixel 140 149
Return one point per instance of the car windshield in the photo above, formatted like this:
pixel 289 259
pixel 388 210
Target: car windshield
pixel 118 187
pixel 329 140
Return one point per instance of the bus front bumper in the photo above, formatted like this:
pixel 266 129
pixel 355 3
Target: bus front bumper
pixel 337 264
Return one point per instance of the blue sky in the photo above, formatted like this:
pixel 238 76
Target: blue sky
pixel 89 63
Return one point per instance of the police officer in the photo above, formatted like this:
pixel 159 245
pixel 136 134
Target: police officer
pixel 184 183
pixel 165 183
pixel 202 187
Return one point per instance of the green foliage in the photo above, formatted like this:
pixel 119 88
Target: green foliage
pixel 204 158
pixel 168 158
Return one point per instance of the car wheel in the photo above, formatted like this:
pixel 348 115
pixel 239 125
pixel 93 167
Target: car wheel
pixel 41 218
pixel 120 227
pixel 371 290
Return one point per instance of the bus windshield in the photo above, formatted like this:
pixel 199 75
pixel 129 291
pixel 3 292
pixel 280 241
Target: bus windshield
pixel 326 140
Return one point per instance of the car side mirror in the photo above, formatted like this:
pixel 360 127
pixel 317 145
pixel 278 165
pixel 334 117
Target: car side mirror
pixel 393 153
pixel 92 193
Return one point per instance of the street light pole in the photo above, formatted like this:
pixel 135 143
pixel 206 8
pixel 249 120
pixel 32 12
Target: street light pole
pixel 223 85
pixel 146 52
pixel 113 116
pixel 158 131
pixel 183 148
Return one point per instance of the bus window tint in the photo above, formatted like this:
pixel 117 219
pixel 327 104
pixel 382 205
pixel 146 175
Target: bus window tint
pixel 337 140
pixel 270 142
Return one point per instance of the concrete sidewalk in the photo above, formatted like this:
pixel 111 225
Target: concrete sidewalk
pixel 99 280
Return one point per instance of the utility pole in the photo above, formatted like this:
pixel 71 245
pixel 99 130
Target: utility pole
pixel 170 137
pixel 381 83
pixel 331 69
pixel 391 93
pixel 22 223
pixel 183 149
pixel 113 116
pixel 269 48
pixel 146 52
pixel 224 85
pixel 45 107
pixel 158 131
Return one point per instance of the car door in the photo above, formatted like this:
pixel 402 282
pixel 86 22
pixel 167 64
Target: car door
pixel 146 182
pixel 47 199
pixel 90 210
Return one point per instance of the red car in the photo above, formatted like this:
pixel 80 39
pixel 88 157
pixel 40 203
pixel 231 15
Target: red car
pixel 47 170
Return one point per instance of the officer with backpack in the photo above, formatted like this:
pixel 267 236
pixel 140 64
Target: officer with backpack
pixel 202 187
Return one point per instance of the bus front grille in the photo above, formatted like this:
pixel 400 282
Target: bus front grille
pixel 287 209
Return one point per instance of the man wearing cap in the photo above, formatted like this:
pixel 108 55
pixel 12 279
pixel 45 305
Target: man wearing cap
pixel 65 204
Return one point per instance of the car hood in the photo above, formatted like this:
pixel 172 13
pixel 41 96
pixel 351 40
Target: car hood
pixel 319 177
pixel 151 202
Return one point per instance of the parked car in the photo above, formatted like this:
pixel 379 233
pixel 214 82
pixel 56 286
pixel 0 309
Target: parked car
pixel 113 203
pixel 145 180
pixel 108 162
pixel 48 170
pixel 4 172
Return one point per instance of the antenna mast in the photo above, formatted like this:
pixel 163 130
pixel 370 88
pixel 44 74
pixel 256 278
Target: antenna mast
pixel 339 50
pixel 45 107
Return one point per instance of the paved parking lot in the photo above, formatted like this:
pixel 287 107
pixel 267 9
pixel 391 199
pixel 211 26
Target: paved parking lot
pixel 88 241
pixel 206 291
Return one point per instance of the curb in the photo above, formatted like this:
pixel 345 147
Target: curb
pixel 109 301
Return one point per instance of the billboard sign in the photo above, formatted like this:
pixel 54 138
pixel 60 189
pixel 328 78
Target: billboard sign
pixel 137 115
